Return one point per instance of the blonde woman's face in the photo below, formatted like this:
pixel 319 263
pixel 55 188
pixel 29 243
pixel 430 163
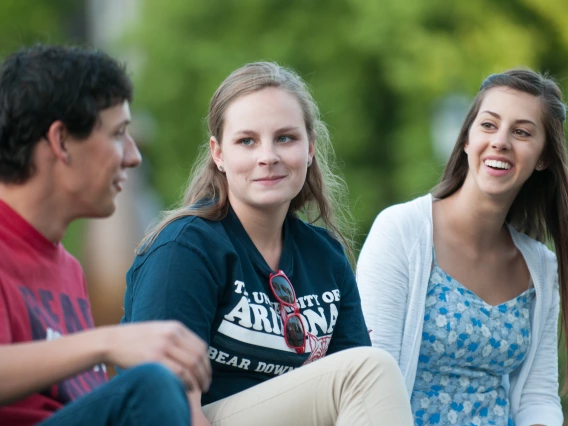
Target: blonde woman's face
pixel 265 150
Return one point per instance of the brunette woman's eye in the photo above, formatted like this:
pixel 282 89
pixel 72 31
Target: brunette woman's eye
pixel 487 125
pixel 246 141
pixel 521 132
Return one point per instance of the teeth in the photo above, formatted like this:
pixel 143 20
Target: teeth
pixel 497 164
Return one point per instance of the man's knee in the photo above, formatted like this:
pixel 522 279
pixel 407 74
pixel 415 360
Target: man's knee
pixel 154 378
pixel 153 392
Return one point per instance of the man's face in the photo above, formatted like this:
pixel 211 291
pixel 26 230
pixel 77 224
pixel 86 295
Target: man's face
pixel 97 165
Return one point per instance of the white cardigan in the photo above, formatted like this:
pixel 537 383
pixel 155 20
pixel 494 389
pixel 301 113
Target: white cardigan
pixel 393 271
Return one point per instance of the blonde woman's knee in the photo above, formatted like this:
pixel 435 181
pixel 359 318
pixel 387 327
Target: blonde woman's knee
pixel 370 356
pixel 370 365
pixel 374 382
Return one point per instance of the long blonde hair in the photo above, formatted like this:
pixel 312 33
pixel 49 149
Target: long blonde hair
pixel 322 199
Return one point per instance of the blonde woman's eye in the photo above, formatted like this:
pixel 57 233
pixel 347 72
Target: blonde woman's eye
pixel 284 138
pixel 246 141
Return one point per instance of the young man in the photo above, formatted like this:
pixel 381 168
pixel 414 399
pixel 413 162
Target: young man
pixel 64 152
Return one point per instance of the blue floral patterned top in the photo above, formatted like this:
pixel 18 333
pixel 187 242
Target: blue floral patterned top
pixel 467 346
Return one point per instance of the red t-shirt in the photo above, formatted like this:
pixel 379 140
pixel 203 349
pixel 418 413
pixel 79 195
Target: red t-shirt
pixel 42 296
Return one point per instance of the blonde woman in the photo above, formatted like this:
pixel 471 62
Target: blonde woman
pixel 273 295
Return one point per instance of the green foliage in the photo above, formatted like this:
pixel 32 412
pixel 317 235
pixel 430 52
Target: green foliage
pixel 376 69
pixel 26 22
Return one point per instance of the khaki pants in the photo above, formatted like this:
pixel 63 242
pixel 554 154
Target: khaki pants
pixel 359 386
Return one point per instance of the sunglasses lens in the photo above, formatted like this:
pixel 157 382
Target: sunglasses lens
pixel 282 289
pixel 295 331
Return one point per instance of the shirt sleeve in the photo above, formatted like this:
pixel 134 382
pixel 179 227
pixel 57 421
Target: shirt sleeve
pixel 540 403
pixel 350 330
pixel 383 281
pixel 5 330
pixel 175 282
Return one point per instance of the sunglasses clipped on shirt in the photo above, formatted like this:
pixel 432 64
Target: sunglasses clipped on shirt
pixel 294 332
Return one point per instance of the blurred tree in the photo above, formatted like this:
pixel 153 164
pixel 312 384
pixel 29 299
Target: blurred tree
pixel 25 22
pixel 376 69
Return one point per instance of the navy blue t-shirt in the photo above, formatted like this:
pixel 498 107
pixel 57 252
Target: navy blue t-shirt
pixel 210 276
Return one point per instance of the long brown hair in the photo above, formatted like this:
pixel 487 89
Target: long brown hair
pixel 540 209
pixel 323 197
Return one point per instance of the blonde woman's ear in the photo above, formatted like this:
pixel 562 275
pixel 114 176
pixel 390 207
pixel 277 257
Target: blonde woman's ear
pixel 216 153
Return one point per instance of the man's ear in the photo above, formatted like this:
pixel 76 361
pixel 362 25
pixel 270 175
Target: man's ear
pixel 57 136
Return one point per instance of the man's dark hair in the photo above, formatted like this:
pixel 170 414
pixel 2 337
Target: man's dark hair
pixel 43 84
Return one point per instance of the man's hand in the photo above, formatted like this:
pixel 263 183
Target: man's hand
pixel 167 342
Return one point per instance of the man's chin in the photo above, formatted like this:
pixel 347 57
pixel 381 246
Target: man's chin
pixel 102 211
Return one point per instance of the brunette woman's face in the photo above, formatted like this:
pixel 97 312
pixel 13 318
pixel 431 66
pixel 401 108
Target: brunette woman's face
pixel 265 150
pixel 505 142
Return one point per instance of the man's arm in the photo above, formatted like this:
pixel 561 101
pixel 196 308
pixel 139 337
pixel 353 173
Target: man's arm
pixel 26 368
